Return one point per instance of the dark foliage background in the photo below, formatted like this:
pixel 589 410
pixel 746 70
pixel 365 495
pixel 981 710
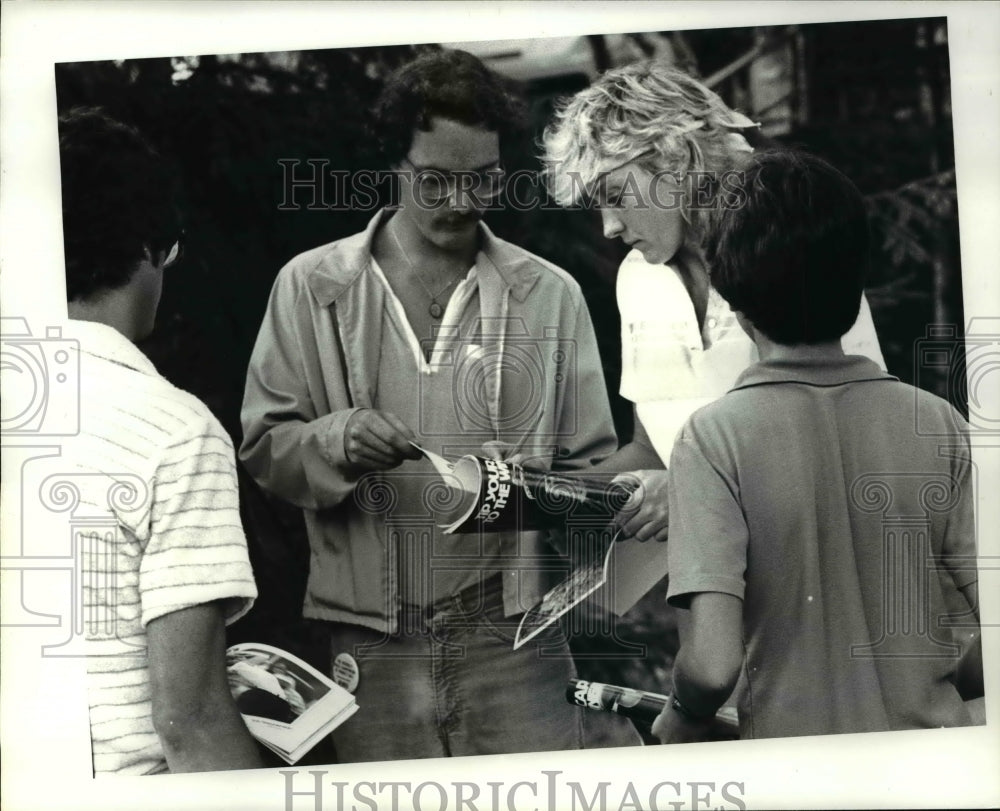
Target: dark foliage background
pixel 871 97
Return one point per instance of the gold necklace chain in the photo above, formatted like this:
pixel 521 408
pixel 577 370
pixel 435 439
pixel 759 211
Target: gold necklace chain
pixel 435 309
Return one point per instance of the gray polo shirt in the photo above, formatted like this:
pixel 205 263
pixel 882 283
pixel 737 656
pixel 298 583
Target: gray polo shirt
pixel 836 502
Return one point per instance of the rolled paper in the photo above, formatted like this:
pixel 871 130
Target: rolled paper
pixel 500 496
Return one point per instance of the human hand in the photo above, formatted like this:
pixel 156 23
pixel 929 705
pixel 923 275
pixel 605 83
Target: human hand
pixel 644 516
pixel 497 450
pixel 377 440
pixel 672 727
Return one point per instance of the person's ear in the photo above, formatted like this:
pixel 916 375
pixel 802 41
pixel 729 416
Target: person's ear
pixel 746 325
pixel 155 261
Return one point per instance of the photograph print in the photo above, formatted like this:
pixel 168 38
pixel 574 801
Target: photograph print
pixel 717 267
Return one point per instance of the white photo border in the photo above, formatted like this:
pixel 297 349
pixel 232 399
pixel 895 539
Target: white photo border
pixel 45 731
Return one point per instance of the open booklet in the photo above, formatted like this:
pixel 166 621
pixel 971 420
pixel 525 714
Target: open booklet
pixel 287 705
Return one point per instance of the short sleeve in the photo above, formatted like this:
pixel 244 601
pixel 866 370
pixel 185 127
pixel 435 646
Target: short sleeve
pixel 196 552
pixel 708 535
pixel 958 548
pixel 660 338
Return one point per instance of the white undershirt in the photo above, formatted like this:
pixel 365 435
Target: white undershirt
pixel 445 331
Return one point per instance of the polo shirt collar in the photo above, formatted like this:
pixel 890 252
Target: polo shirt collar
pixel 106 342
pixel 833 372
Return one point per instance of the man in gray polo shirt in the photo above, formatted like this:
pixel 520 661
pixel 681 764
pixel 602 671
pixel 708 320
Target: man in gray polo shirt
pixel 824 548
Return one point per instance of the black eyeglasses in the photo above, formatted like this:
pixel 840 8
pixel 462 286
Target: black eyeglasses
pixel 435 185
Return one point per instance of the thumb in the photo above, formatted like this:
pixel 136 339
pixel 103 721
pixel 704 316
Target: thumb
pixel 496 449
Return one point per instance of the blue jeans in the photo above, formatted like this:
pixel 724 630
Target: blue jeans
pixel 449 683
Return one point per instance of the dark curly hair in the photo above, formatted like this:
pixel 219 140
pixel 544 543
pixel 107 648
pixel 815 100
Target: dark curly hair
pixel 448 84
pixel 119 199
pixel 794 256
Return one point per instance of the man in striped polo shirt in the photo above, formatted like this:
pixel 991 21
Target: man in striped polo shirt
pixel 159 587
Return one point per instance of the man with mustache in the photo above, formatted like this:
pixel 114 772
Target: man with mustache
pixel 427 328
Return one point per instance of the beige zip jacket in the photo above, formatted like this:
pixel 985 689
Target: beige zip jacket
pixel 315 363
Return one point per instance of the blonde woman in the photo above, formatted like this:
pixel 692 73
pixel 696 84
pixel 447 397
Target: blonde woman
pixel 656 152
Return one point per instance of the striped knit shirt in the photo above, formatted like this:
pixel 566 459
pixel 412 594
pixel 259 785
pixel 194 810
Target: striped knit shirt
pixel 153 462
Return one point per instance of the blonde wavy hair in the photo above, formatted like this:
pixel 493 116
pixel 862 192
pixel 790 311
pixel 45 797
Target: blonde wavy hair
pixel 646 110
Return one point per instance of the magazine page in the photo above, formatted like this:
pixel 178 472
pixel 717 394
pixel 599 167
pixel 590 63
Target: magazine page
pixel 284 700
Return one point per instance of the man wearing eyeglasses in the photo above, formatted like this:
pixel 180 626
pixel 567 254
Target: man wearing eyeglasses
pixel 153 464
pixel 427 328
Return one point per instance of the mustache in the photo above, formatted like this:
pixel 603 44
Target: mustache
pixel 460 219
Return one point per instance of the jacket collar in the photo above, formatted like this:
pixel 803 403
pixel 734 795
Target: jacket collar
pixel 340 265
pixel 835 372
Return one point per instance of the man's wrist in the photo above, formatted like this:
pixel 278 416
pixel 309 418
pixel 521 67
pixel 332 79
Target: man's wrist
pixel 693 714
pixel 336 447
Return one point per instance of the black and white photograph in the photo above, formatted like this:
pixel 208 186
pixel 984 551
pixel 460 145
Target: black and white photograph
pixel 253 670
pixel 689 292
pixel 287 704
